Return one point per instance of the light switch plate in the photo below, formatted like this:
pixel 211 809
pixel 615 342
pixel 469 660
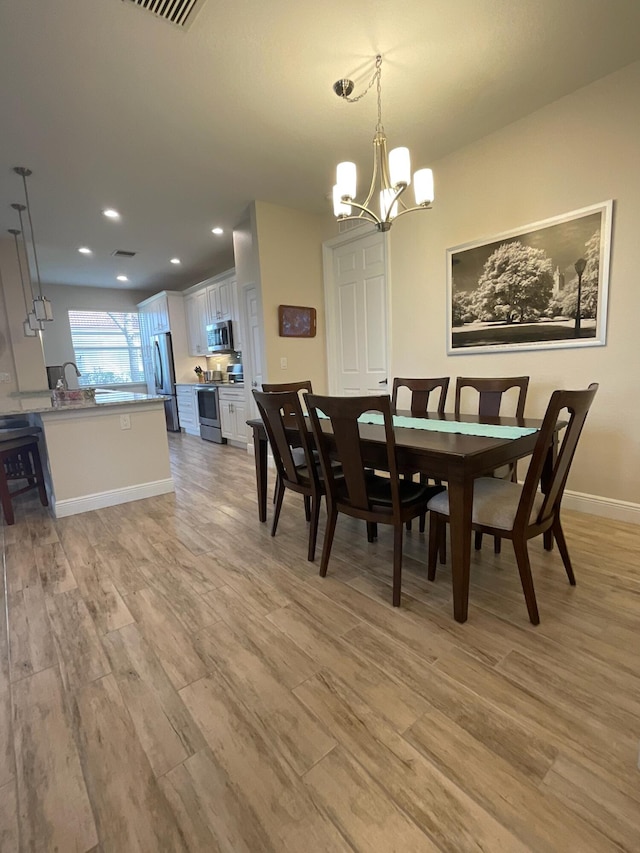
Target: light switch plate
pixel 125 421
pixel 284 364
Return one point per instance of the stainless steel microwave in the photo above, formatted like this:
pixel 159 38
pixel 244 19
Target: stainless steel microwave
pixel 220 337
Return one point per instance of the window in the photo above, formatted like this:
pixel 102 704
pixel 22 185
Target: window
pixel 107 347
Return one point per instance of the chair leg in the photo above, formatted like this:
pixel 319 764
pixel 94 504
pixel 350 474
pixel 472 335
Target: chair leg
pixel 5 497
pixel 398 535
pixel 372 531
pixel 443 541
pixel 307 507
pixel 524 567
pixel 558 535
pixel 434 542
pixel 37 467
pixel 478 540
pixel 332 517
pixel 497 542
pixel 313 530
pixel 279 495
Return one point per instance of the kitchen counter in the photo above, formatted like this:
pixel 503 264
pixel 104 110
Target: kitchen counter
pixel 39 402
pixel 98 452
pixel 217 384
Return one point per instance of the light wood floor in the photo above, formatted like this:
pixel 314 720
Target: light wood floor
pixel 172 678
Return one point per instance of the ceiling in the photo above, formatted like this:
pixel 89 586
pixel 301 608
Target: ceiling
pixel 180 129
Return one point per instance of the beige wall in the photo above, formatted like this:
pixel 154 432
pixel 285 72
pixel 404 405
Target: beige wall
pixel 290 255
pixel 576 152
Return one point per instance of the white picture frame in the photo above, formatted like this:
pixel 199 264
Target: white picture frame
pixel 521 289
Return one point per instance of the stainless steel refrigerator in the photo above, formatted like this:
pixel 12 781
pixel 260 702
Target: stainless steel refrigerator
pixel 165 377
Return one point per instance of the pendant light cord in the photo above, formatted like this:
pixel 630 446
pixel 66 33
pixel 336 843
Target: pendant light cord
pixel 15 233
pixel 33 239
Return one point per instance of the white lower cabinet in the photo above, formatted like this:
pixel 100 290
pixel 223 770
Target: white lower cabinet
pixel 233 415
pixel 187 397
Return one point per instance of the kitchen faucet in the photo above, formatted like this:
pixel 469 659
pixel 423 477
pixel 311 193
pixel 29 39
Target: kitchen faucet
pixel 64 372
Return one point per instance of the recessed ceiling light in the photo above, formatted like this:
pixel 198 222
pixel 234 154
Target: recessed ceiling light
pixel 110 213
pixel 85 250
pixel 217 231
pixel 175 260
pixel 122 278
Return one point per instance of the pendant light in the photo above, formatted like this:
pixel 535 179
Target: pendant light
pixel 41 305
pixel 26 326
pixel 391 173
pixel 31 325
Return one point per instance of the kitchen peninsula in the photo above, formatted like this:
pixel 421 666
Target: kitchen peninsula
pixel 97 452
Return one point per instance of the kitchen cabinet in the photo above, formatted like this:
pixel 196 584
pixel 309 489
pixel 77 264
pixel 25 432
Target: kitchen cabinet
pixel 197 315
pixel 233 415
pixel 219 301
pixel 165 312
pixel 210 302
pixel 156 311
pixel 187 397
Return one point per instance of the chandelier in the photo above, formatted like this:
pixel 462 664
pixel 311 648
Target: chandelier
pixel 391 173
pixel 42 308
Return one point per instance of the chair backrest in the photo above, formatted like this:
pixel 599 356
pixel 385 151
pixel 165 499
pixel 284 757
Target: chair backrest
pixel 337 437
pixel 576 404
pixel 420 392
pixel 284 422
pixel 490 391
pixel 277 387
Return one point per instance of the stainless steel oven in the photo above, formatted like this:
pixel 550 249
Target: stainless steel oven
pixel 209 414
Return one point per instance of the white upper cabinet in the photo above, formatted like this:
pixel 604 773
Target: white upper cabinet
pixel 196 310
pixel 211 302
pixel 219 301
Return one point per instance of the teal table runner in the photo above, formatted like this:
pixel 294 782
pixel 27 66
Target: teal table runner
pixel 461 427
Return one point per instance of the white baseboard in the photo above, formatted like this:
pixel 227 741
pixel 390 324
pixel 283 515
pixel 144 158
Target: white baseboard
pixel 604 507
pixel 73 506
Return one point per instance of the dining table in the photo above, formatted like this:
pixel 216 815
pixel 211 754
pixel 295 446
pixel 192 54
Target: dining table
pixel 443 447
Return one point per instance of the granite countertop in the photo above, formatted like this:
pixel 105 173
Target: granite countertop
pixel 39 402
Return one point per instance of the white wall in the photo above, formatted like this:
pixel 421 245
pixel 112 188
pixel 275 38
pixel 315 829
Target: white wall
pixel 56 338
pixel 580 150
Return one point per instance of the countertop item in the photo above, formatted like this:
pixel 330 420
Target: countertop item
pixel 38 402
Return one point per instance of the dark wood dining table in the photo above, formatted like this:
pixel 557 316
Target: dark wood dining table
pixel 452 457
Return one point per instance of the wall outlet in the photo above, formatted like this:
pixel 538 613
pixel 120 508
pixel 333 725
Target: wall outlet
pixel 284 364
pixel 125 421
pixel 5 377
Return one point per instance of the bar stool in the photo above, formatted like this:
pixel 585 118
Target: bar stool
pixel 20 460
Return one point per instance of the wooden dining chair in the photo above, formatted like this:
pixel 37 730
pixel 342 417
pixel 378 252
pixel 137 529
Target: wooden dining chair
pixel 298 455
pixel 420 390
pixel 490 396
pixel 296 466
pixel 355 489
pixel 521 511
pixel 20 461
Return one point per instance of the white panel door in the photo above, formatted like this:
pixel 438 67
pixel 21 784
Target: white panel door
pixel 360 316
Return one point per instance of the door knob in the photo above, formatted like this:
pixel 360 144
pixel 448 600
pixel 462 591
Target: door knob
pixel 254 384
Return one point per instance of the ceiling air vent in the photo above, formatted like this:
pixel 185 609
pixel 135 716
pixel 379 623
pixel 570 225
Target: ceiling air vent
pixel 122 253
pixel 178 12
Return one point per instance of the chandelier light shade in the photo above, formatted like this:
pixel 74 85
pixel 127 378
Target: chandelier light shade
pixel 42 307
pixel 391 172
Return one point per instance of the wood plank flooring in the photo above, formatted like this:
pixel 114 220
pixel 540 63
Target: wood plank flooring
pixel 172 678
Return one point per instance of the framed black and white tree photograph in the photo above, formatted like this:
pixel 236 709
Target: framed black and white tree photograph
pixel 538 286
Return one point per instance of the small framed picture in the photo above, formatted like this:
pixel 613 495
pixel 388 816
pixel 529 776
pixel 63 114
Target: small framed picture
pixel 295 321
